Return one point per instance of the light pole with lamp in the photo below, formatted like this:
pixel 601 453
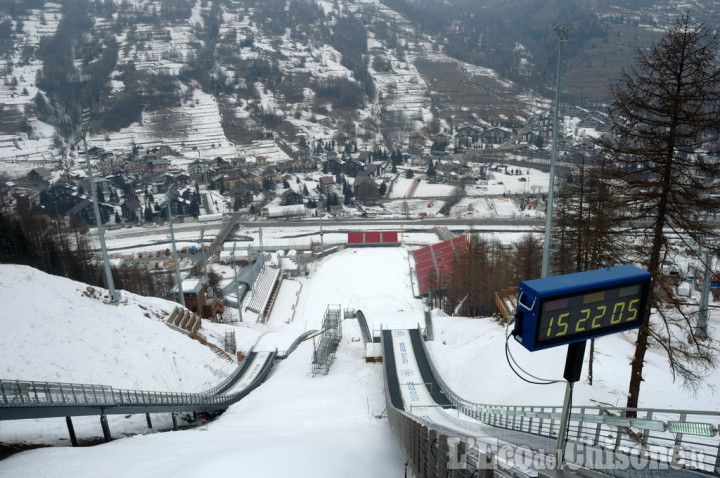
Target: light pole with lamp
pixel 114 294
pixel 178 279
pixel 562 34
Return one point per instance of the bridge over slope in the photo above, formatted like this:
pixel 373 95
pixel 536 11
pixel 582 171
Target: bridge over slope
pixel 25 399
pixel 445 435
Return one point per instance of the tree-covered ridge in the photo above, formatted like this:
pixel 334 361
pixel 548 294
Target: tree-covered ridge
pixel 506 35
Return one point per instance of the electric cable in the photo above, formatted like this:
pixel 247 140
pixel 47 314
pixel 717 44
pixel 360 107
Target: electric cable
pixel 511 360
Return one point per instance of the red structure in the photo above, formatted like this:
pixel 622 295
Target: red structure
pixel 373 238
pixel 433 264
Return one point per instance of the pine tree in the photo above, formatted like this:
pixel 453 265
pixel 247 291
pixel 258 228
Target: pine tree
pixel 431 172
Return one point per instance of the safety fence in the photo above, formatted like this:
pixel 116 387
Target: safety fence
pixel 28 399
pixel 668 438
pixel 520 441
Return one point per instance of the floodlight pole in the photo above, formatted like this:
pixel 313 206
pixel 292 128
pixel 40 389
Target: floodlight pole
pixel 178 279
pixel 562 34
pixel 204 259
pixel 252 272
pixel 114 295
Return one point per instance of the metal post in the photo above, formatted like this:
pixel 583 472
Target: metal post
pixel 573 367
pixel 71 430
pixel 700 331
pixel 178 279
pixel 204 259
pixel 252 272
pixel 237 284
pixel 562 33
pixel 174 421
pixel 149 423
pixel 105 428
pixel 114 295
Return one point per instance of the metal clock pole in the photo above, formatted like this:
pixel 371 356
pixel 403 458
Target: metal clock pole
pixel 573 367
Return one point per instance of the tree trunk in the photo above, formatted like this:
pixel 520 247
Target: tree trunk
pixel 637 364
pixel 590 362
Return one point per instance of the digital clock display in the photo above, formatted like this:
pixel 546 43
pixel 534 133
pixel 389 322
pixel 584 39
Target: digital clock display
pixel 589 313
pixel 575 307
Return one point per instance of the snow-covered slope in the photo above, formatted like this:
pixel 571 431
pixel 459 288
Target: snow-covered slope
pixel 295 424
pixel 54 328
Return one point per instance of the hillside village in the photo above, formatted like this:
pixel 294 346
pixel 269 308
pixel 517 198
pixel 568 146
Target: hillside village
pixel 132 187
pixel 322 176
pixel 276 120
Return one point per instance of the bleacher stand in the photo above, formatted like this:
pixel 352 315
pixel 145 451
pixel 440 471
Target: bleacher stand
pixel 433 264
pixel 264 292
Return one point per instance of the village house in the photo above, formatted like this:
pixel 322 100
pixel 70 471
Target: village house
pixel 496 135
pixel 157 166
pixel 102 185
pixel 334 165
pixel 325 184
pixel 131 207
pixel 417 139
pixel 232 181
pixel 86 211
pixel 38 175
pixel 442 139
pixel 367 192
pixel 291 198
pixel 240 197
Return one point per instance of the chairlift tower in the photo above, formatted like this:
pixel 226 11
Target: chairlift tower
pixel 114 295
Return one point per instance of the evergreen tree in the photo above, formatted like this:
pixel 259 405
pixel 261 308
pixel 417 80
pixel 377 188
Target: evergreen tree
pixel 431 171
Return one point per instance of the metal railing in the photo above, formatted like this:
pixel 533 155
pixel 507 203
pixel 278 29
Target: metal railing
pixel 432 450
pixel 301 338
pixel 667 442
pixel 667 436
pixel 29 399
pixel 364 329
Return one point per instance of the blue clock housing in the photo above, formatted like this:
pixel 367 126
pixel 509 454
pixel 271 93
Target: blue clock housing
pixel 576 307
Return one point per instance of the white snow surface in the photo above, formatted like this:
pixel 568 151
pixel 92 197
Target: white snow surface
pixel 294 424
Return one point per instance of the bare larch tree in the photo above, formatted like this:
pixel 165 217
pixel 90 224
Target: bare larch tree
pixel 662 158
